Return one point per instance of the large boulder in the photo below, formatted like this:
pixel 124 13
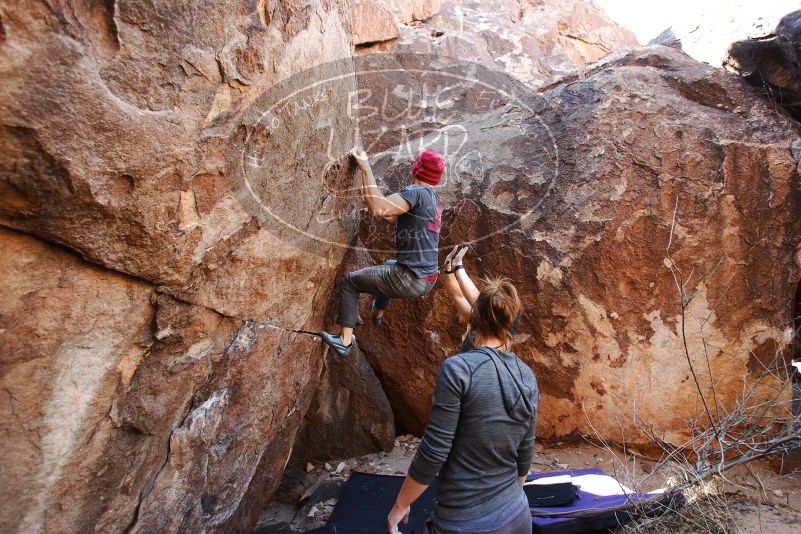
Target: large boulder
pixel 174 220
pixel 173 251
pixel 535 41
pixel 144 139
pixel 128 410
pixel 71 338
pixel 572 194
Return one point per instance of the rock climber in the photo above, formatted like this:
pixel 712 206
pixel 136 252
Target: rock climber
pixel 480 435
pixel 416 211
pixel 463 292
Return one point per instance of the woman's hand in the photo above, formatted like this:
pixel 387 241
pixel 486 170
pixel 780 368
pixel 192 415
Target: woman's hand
pixel 457 260
pixel 449 259
pixel 397 516
pixel 361 158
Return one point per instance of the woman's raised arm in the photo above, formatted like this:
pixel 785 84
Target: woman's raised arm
pixel 466 284
pixel 462 305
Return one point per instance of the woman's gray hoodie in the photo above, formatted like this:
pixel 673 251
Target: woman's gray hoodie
pixel 480 437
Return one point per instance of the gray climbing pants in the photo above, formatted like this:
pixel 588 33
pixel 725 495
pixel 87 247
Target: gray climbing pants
pixel 385 282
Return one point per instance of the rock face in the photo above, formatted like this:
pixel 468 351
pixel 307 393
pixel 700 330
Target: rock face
pixel 580 183
pixel 534 41
pixel 71 337
pixel 372 22
pixel 174 215
pixel 132 150
pixel 349 415
pixel 159 386
pixel 771 63
pixel 379 20
pixel 155 414
pixel 243 429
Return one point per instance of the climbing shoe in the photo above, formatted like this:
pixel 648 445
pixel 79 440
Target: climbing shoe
pixel 335 343
pixel 377 319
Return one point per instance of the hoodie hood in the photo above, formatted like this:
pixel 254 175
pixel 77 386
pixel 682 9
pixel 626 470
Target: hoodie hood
pixel 518 399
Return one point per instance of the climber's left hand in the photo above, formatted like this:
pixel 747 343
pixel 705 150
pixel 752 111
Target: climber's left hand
pixel 397 516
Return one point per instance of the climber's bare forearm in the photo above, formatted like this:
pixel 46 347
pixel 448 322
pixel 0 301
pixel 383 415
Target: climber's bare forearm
pixel 377 204
pixel 373 196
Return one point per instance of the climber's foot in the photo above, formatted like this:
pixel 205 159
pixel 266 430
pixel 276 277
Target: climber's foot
pixel 378 315
pixel 335 342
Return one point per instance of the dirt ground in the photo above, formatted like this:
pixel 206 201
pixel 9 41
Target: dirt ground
pixel 757 499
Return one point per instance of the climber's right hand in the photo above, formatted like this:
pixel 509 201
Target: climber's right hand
pixel 361 157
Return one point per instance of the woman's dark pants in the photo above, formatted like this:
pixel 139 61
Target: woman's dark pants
pixel 519 525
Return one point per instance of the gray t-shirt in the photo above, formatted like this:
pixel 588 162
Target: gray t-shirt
pixel 480 436
pixel 417 230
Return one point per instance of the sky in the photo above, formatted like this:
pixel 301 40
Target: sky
pixel 647 18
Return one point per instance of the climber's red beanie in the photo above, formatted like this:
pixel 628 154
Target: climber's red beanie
pixel 428 167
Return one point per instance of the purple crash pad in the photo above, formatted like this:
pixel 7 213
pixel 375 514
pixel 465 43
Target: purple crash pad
pixel 596 491
pixel 366 499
